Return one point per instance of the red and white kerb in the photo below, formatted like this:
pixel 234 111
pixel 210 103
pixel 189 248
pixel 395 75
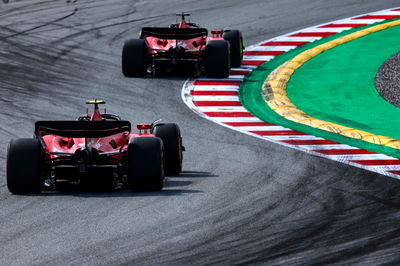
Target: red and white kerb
pixel 218 100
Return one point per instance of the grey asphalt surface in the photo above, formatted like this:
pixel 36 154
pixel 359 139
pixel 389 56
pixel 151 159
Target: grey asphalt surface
pixel 239 200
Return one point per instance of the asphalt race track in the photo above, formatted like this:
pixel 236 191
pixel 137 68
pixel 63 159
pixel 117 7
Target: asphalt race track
pixel 240 200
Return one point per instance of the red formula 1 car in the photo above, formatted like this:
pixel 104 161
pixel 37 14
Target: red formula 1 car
pixel 183 46
pixel 97 149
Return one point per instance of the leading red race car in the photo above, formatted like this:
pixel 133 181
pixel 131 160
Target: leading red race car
pixel 183 46
pixel 98 148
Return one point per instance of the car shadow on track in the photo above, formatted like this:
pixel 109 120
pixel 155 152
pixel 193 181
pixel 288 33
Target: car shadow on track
pixel 118 193
pixel 195 174
pixel 173 187
pixel 176 181
pixel 176 75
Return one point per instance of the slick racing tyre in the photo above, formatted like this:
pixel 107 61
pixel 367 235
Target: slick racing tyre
pixel 217 61
pixel 134 58
pixel 24 166
pixel 235 39
pixel 146 164
pixel 170 134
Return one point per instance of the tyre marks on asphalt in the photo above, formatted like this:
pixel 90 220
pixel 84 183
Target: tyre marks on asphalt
pixel 218 100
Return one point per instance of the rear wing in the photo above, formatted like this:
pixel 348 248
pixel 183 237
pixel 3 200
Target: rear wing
pixel 82 129
pixel 173 33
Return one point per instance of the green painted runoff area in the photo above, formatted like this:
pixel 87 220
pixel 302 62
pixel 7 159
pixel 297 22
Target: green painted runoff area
pixel 250 92
pixel 339 85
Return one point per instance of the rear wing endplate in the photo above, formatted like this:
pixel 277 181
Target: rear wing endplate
pixel 82 129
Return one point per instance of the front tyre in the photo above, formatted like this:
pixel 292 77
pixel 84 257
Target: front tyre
pixel 146 164
pixel 24 166
pixel 171 137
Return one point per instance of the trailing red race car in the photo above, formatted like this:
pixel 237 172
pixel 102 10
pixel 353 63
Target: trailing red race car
pixel 183 46
pixel 98 148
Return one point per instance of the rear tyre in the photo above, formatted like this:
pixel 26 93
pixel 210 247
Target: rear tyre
pixel 24 166
pixel 235 39
pixel 217 61
pixel 134 58
pixel 171 137
pixel 146 164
